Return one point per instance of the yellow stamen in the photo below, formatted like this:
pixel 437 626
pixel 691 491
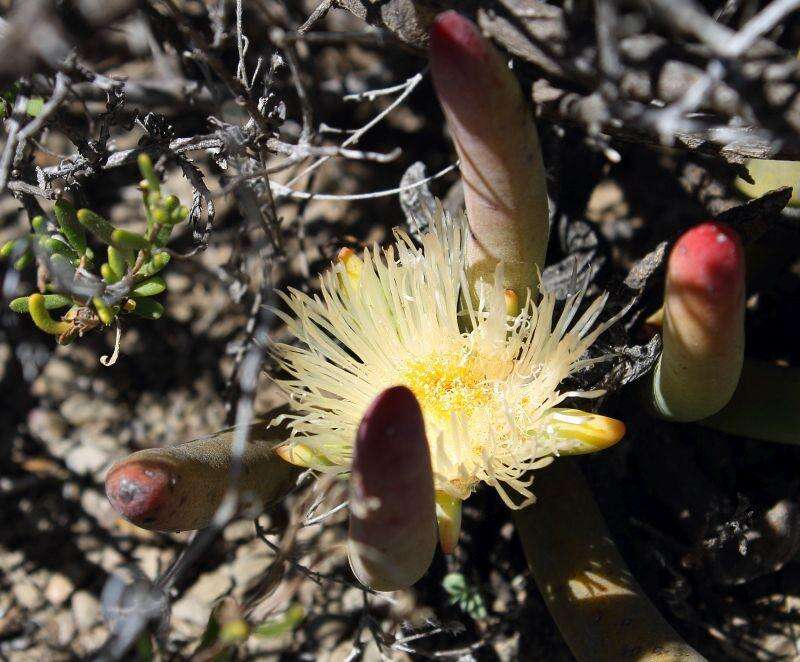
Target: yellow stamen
pixel 445 382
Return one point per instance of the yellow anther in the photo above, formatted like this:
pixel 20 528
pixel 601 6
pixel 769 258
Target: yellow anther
pixel 352 264
pixel 512 303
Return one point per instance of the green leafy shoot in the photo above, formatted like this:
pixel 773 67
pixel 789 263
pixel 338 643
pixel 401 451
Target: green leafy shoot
pixel 67 248
pixel 466 597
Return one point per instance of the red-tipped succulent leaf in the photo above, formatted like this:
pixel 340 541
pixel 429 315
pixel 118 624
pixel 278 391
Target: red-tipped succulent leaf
pixel 180 487
pixel 703 324
pixel 497 143
pixel 392 534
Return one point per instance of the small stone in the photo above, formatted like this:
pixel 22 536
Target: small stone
pixel 239 530
pixel 28 596
pixel 352 600
pixel 210 586
pixel 80 409
pixel 93 639
pixel 85 610
pixel 86 460
pixel 60 630
pixel 249 564
pixel 191 611
pixel 47 426
pixel 149 561
pixel 96 505
pixel 58 589
pixel 10 559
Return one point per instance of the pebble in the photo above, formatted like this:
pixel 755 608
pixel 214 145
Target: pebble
pixel 85 610
pixel 60 629
pixel 80 409
pixel 28 596
pixel 192 612
pixel 58 589
pixel 86 460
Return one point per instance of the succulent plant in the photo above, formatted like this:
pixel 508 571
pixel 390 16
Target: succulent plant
pixel 96 292
pixel 424 371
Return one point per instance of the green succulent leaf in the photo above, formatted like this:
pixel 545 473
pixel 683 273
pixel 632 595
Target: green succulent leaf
pixel 117 261
pixel 149 287
pixel 24 261
pixel 51 302
pixel 155 264
pixel 127 240
pixel 286 622
pixel 104 311
pixel 41 317
pixel 148 172
pixel 55 246
pixel 72 230
pixel 38 223
pixel 147 308
pixel 96 224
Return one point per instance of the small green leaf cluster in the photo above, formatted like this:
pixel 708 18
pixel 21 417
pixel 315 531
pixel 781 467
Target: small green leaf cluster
pixel 70 249
pixel 467 598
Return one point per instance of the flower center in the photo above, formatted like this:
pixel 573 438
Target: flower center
pixel 447 383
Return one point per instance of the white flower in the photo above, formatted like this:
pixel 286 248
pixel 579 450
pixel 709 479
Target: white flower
pixel 488 383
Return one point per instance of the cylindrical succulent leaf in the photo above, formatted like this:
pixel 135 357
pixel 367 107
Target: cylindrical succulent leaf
pixel 104 311
pixel 39 223
pixel 118 260
pixel 392 534
pixel 127 240
pixel 8 248
pixel 703 325
pixel 24 261
pixel 108 274
pixel 147 308
pixel 70 227
pixel 599 608
pixel 497 143
pixel 96 224
pixel 180 487
pixel 55 246
pixel 41 318
pixel 51 302
pixel 148 172
pixel 764 405
pixel 155 264
pixel 149 287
